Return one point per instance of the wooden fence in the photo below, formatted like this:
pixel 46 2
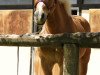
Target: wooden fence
pixel 71 41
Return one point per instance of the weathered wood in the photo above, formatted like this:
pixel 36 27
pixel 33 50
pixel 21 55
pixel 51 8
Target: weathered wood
pixel 82 39
pixel 15 21
pixel 71 59
pixel 94 20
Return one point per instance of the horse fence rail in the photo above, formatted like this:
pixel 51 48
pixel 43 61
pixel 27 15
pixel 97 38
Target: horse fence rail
pixel 71 44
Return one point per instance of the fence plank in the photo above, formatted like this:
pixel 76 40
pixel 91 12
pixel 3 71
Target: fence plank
pixel 8 60
pixel 82 39
pixel 24 61
pixel 71 59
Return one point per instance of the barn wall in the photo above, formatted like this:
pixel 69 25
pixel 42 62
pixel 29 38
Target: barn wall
pixel 15 22
pixel 93 16
pixel 8 60
pixel 94 19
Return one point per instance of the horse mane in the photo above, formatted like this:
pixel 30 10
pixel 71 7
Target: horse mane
pixel 67 6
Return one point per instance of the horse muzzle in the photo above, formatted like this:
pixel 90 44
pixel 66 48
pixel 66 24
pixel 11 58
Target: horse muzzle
pixel 40 15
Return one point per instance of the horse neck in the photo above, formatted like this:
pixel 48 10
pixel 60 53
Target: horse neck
pixel 59 21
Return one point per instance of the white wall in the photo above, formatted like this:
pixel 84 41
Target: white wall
pixel 85 14
pixel 24 60
pixel 8 60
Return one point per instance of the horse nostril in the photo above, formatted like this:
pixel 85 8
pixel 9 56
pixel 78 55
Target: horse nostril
pixel 43 16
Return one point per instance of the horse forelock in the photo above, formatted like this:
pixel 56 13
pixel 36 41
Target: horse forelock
pixel 67 5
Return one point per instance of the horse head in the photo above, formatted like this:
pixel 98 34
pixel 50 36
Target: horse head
pixel 42 8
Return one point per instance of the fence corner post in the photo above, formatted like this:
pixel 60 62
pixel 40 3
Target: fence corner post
pixel 71 59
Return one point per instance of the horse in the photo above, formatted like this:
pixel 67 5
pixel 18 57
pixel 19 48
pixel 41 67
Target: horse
pixel 56 18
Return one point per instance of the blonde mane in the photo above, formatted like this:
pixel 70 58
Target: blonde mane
pixel 67 6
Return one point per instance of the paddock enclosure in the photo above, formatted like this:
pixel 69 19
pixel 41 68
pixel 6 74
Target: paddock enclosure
pixel 24 52
pixel 17 60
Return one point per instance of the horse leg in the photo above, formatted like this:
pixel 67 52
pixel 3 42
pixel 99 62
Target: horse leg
pixel 57 69
pixel 61 69
pixel 37 65
pixel 83 62
pixel 47 66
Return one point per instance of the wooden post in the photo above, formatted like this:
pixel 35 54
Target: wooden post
pixel 71 59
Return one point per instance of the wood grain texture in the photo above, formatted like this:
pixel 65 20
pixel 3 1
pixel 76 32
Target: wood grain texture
pixel 15 21
pixel 85 40
pixel 71 59
pixel 95 20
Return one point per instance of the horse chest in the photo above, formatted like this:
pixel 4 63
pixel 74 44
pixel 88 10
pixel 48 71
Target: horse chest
pixel 53 54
